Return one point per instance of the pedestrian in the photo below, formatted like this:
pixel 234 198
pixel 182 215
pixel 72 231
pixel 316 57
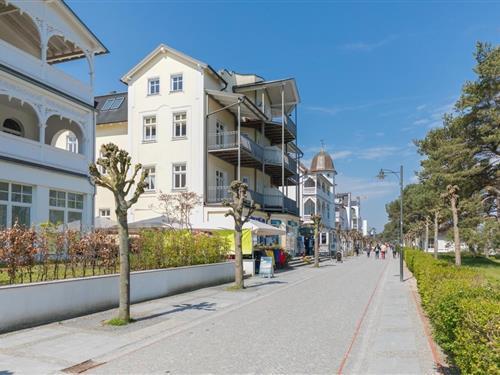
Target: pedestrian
pixel 356 249
pixel 377 251
pixel 368 250
pixel 393 248
pixel 383 249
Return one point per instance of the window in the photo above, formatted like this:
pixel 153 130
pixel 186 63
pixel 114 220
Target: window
pixel 72 143
pixel 309 207
pixel 65 207
pixel 220 188
pixel 15 204
pixel 105 212
pixel 179 176
pixel 219 133
pixel 151 179
pixel 153 86
pixel 180 125
pixel 112 103
pixel 245 180
pixel 12 127
pixel 149 129
pixel 323 238
pixel 176 83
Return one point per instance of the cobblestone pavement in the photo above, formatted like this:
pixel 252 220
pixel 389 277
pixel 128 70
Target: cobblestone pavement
pixel 355 316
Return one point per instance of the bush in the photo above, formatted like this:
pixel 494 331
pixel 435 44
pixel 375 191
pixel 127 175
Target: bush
pixel 463 307
pixel 176 248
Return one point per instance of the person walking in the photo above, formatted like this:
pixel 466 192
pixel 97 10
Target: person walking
pixel 383 249
pixel 377 251
pixel 368 250
pixel 393 249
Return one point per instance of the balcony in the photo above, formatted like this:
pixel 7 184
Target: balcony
pixel 272 200
pixel 219 194
pixel 225 146
pixel 312 190
pixel 28 150
pixel 272 160
pixel 272 129
pixel 29 65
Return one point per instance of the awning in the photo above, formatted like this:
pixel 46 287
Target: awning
pixel 273 90
pixel 230 102
pixel 258 228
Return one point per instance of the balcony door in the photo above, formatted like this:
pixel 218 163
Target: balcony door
pixel 220 186
pixel 219 134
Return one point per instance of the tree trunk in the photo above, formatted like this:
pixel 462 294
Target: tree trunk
pixel 436 233
pixel 124 306
pixel 456 234
pixel 316 247
pixel 426 240
pixel 238 260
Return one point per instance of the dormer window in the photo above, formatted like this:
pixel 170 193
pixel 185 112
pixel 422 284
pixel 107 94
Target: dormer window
pixel 12 127
pixel 176 83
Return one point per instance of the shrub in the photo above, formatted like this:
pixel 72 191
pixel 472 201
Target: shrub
pixel 175 248
pixel 463 307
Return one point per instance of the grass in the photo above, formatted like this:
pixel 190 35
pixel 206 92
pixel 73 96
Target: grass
pixel 234 288
pixel 117 322
pixel 490 266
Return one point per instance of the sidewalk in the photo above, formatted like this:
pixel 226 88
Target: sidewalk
pixel 391 337
pixel 54 347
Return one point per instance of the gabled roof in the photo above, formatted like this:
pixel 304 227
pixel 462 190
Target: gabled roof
pixel 113 115
pixel 163 48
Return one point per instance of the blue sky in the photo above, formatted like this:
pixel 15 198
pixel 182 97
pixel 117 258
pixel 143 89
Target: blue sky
pixel 372 75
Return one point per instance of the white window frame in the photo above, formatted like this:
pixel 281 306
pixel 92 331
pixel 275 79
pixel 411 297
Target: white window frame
pixel 151 169
pixel 174 82
pixel 106 211
pixel 220 183
pixel 65 208
pixel 72 143
pixel 180 173
pixel 219 133
pixel 181 123
pixel 10 203
pixel 149 138
pixel 156 85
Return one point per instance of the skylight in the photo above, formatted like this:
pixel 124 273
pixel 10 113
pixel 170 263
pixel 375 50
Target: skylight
pixel 112 103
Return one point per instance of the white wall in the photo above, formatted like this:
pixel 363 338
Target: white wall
pixel 28 305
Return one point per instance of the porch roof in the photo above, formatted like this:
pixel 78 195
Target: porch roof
pixel 229 100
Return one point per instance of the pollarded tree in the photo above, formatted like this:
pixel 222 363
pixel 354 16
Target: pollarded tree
pixel 237 206
pixel 113 172
pixel 316 219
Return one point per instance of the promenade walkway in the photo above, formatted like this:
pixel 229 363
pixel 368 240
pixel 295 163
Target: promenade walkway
pixel 354 318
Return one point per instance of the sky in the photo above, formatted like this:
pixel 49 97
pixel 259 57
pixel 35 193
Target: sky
pixel 372 75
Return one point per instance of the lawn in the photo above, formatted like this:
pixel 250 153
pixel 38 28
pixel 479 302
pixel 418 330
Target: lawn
pixel 490 267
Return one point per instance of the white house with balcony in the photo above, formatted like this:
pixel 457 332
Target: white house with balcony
pixel 196 129
pixel 47 125
pixel 318 197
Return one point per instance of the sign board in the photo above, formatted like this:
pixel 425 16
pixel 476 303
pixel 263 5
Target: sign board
pixel 266 267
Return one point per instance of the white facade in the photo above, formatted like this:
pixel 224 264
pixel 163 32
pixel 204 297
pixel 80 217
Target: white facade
pixel 47 126
pixel 182 124
pixel 318 197
pixel 365 228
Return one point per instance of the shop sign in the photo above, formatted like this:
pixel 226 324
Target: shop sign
pixel 266 267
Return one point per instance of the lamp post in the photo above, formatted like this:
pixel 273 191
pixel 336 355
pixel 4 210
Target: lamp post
pixel 381 175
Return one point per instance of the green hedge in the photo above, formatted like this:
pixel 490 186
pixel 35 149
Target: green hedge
pixel 464 309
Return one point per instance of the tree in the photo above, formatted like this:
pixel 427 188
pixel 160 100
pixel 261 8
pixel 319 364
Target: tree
pixel 178 206
pixel 117 176
pixel 237 206
pixel 316 219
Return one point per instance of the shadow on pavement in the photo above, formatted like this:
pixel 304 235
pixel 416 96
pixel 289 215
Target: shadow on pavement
pixel 266 283
pixel 6 372
pixel 205 306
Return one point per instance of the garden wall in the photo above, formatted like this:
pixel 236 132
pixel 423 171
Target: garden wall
pixel 27 305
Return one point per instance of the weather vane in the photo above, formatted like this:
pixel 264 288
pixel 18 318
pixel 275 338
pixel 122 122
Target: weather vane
pixel 322 144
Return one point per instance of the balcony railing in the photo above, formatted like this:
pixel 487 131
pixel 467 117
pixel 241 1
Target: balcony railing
pixel 289 124
pixel 272 155
pixel 272 200
pixel 39 153
pixel 229 141
pixel 29 65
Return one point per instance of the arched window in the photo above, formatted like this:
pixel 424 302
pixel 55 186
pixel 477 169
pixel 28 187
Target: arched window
pixel 12 127
pixel 309 207
pixel 309 182
pixel 72 143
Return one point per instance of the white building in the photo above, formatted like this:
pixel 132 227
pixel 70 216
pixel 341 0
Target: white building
pixel 197 130
pixel 318 197
pixel 365 228
pixel 343 211
pixel 46 116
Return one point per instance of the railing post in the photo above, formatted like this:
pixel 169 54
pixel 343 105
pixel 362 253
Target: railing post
pixel 282 141
pixel 239 140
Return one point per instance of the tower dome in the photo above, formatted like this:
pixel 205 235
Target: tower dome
pixel 322 162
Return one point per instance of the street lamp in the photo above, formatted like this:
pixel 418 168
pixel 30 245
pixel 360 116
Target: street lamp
pixel 381 175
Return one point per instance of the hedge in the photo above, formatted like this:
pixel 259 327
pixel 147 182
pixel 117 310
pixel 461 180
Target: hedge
pixel 464 309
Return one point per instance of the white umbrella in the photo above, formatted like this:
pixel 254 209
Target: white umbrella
pixel 258 228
